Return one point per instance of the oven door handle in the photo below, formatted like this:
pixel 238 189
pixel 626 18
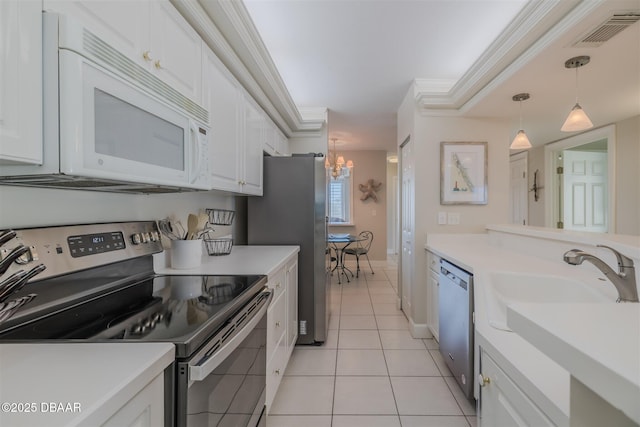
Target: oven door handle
pixel 204 367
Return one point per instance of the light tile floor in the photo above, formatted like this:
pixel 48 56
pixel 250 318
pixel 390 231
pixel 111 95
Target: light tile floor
pixel 370 372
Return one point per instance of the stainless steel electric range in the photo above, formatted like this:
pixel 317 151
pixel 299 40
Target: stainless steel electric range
pixel 96 283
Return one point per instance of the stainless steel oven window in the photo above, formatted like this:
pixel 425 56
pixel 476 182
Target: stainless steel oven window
pixel 229 391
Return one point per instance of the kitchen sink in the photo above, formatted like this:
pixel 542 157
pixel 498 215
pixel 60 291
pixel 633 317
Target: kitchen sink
pixel 504 288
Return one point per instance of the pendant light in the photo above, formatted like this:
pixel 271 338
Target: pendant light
pixel 520 142
pixel 578 119
pixel 336 163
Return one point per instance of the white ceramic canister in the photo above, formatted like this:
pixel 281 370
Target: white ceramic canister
pixel 186 253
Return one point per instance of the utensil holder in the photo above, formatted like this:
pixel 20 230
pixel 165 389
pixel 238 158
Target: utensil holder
pixel 186 253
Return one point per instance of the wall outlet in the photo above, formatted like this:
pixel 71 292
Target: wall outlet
pixel 453 218
pixel 442 218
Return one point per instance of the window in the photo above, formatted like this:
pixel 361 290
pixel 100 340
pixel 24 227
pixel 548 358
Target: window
pixel 340 192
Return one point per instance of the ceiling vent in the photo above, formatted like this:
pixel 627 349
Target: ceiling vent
pixel 608 29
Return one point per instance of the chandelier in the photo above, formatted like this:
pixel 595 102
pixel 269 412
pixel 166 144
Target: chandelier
pixel 336 163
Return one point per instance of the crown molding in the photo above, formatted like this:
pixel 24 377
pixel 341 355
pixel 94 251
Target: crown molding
pixel 530 32
pixel 226 27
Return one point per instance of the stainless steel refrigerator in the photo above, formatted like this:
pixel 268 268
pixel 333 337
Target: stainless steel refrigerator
pixel 292 212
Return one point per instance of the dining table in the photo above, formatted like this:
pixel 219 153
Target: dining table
pixel 340 242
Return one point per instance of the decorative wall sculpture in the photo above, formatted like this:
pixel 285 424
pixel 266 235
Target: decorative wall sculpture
pixel 369 190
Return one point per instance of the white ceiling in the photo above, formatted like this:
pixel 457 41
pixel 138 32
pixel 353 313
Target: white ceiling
pixel 358 58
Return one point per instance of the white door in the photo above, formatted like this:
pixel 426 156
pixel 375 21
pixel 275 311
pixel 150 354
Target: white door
pixel 407 226
pixel 518 198
pixel 585 191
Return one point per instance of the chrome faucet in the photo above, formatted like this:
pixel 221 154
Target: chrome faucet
pixel 624 280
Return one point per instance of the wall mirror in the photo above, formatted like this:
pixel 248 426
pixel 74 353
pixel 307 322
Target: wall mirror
pixel 581 173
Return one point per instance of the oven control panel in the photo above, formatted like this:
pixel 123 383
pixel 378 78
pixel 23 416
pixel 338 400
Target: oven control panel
pixel 72 248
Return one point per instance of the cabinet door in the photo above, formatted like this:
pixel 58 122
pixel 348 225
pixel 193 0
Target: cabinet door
pixel 502 403
pixel 432 313
pixel 20 82
pixel 252 159
pixel 222 99
pixel 292 303
pixel 176 50
pixel 282 144
pixel 146 409
pixel 123 24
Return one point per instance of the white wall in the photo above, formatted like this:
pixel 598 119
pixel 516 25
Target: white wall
pixel 22 207
pixel 426 134
pixel 367 214
pixel 628 176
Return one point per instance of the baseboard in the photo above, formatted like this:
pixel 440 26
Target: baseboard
pixel 419 330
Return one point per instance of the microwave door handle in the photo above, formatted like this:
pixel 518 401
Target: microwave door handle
pixel 205 367
pixel 195 147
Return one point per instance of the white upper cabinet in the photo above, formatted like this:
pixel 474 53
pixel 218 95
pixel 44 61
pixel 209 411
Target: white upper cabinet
pixel 176 50
pixel 274 141
pixel 235 143
pixel 151 33
pixel 20 82
pixel 251 159
pixel 222 98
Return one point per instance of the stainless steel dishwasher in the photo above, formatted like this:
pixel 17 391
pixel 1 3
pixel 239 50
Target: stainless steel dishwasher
pixel 456 323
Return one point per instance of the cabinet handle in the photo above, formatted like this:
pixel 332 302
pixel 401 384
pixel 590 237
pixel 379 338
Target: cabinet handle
pixel 157 65
pixel 277 324
pixel 278 285
pixel 483 381
pixel 277 372
pixel 146 55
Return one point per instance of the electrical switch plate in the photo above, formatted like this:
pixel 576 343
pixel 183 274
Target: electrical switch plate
pixel 453 218
pixel 442 218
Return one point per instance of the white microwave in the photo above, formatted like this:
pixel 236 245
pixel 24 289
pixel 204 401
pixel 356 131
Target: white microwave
pixel 109 124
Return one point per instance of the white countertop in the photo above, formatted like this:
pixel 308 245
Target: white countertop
pixel 599 344
pixel 542 379
pixel 242 260
pixel 94 378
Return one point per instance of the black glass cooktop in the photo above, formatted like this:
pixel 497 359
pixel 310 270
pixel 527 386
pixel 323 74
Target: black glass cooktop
pixel 180 309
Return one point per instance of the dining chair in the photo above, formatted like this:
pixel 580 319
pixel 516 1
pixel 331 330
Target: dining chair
pixel 363 245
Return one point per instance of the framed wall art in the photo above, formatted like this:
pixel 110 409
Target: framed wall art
pixel 463 173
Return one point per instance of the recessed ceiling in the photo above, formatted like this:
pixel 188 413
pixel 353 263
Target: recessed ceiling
pixel 359 58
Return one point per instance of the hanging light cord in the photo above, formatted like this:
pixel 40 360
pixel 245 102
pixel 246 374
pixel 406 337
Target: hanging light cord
pixel 577 85
pixel 521 114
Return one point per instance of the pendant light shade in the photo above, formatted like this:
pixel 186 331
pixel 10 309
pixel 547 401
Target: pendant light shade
pixel 521 141
pixel 578 119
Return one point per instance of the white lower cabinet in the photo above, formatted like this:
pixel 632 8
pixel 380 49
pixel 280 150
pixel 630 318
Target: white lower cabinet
pixel 502 402
pixel 145 409
pixel 282 324
pixel 291 279
pixel 433 277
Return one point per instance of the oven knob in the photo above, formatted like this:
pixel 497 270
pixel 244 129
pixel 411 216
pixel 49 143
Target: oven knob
pixel 145 237
pixel 137 329
pixel 154 236
pixel 136 239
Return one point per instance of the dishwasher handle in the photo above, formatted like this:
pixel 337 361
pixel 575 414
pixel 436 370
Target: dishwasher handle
pixel 223 345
